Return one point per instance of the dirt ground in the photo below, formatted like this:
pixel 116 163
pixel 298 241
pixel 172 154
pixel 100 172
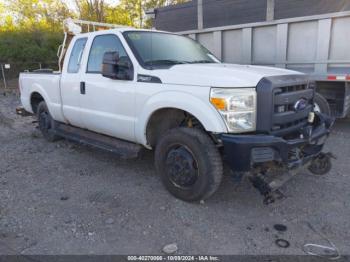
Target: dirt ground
pixel 66 198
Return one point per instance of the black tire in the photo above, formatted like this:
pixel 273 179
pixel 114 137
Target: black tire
pixel 321 103
pixel 321 165
pixel 46 122
pixel 189 163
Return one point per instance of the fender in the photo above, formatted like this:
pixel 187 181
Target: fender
pixel 203 111
pixel 54 108
pixel 35 88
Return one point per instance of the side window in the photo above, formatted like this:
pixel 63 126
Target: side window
pixel 100 45
pixel 76 55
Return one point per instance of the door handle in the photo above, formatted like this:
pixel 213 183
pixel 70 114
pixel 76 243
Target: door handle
pixel 82 88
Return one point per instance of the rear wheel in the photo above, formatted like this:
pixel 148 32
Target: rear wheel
pixel 321 105
pixel 189 164
pixel 46 122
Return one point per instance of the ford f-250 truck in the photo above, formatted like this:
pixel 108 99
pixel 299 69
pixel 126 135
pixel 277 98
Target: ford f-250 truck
pixel 124 89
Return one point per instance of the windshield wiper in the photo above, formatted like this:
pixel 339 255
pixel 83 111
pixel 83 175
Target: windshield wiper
pixel 164 62
pixel 201 62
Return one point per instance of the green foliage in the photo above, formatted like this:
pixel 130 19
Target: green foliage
pixel 136 9
pixel 34 46
pixel 31 30
pixel 117 15
pixel 98 10
pixel 38 14
pixel 92 10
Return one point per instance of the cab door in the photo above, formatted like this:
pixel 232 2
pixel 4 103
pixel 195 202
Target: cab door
pixel 108 105
pixel 70 83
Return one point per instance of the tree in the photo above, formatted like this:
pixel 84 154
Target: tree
pixel 93 10
pixel 31 30
pixel 2 9
pixel 137 9
pixel 6 20
pixel 46 14
pixel 117 15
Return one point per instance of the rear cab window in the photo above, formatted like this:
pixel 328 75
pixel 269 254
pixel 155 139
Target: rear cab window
pixel 76 55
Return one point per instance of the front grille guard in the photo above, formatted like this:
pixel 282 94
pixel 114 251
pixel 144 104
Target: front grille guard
pixel 283 91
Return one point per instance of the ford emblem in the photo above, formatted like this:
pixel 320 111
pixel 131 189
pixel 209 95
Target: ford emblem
pixel 300 105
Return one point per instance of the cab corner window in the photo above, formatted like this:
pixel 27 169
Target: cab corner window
pixel 101 45
pixel 76 55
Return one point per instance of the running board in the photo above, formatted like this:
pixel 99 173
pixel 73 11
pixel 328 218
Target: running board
pixel 124 149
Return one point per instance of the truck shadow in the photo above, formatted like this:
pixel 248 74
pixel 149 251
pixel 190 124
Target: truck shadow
pixel 141 171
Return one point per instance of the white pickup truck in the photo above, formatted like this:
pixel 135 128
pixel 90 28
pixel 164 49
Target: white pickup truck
pixel 124 89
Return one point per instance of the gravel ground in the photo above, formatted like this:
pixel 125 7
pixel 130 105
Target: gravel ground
pixel 65 198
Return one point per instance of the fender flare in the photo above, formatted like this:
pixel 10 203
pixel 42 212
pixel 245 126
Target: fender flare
pixel 207 115
pixel 41 91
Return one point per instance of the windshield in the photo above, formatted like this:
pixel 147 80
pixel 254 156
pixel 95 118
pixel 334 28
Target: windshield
pixel 154 49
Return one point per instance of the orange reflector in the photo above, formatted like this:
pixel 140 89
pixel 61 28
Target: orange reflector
pixel 219 103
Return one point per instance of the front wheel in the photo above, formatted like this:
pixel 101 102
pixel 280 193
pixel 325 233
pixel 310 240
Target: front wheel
pixel 189 164
pixel 321 105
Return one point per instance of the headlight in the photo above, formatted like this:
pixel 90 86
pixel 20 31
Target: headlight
pixel 237 107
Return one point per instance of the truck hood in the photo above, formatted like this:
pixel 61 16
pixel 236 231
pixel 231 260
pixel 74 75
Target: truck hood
pixel 218 75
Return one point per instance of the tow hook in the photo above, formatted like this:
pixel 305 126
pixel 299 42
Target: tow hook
pixel 321 164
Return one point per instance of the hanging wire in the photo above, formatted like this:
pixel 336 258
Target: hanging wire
pixel 330 252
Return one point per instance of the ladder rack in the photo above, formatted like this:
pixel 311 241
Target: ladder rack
pixel 72 27
pixel 89 25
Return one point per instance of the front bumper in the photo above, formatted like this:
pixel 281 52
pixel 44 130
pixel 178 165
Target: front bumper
pixel 244 152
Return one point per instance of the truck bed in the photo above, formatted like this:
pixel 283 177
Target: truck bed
pixel 45 83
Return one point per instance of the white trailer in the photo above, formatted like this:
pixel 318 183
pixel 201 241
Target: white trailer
pixel 318 45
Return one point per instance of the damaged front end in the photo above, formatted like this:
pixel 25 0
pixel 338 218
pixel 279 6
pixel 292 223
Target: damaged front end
pixel 288 136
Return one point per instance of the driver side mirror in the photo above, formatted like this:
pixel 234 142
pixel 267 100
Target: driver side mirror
pixel 113 67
